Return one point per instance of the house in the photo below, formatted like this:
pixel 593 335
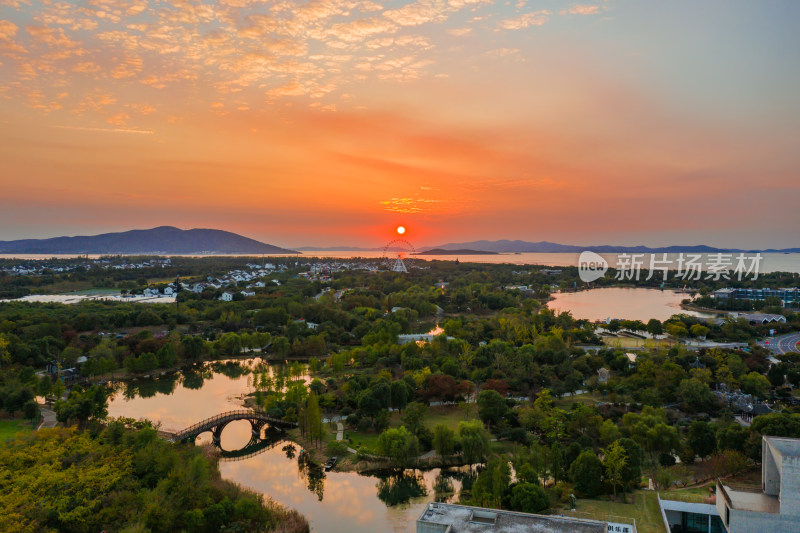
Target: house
pixel 631 358
pixel 602 375
pixel 226 297
pixel 198 287
pixel 150 293
pixel 451 518
pixel 776 506
pixel 169 291
pixel 248 293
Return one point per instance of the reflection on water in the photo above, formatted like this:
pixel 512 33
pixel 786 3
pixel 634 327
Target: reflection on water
pixel 621 303
pixel 380 502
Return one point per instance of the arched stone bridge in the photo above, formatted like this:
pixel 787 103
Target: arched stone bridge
pixel 216 424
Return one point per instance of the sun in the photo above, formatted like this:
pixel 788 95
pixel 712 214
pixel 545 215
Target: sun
pixel 400 230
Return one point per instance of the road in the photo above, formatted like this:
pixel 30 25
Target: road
pixel 783 344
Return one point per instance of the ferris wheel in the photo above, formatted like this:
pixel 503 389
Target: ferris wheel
pixel 397 255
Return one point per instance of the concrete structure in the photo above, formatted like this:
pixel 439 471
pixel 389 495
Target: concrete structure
pixel 451 518
pixel 775 508
pixel 761 318
pixel 685 517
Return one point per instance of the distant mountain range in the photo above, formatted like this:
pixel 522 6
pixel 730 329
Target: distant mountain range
pixel 505 246
pixel 459 251
pixel 160 240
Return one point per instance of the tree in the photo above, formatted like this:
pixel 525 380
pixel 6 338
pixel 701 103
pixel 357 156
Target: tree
pixel 412 419
pixel 615 461
pixel 529 498
pixel 491 406
pixel 444 440
pixel 587 474
pixel 701 438
pixel 755 384
pixel 399 445
pixel 474 440
pixel 695 395
pixel 634 457
pixel 492 482
pixel 654 327
pixel 399 394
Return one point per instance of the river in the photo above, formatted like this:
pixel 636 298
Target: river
pixel 331 501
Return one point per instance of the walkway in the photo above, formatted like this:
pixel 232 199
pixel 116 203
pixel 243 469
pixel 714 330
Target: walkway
pixel 49 419
pixel 340 436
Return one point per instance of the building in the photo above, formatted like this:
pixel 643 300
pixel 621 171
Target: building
pixel 775 508
pixel 685 517
pixel 761 318
pixel 451 518
pixel 789 297
pixel 226 297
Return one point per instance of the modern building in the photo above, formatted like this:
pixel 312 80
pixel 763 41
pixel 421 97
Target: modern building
pixel 789 297
pixel 775 508
pixel 686 517
pixel 451 518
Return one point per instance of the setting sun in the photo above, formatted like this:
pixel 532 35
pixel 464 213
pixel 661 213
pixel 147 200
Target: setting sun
pixel 400 230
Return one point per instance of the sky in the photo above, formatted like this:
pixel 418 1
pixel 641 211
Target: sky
pixel 331 122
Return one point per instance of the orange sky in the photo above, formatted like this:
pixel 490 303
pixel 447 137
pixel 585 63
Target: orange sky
pixel 330 122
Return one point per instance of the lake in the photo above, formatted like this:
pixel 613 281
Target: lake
pixel 387 502
pixel 622 303
pixel 771 262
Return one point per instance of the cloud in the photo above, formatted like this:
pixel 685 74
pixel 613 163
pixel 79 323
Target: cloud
pixel 581 10
pixel 534 18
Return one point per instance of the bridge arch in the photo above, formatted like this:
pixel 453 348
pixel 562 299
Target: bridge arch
pixel 216 425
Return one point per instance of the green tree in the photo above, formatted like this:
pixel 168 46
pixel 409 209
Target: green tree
pixel 614 463
pixel 755 384
pixel 444 440
pixel 474 440
pixel 587 474
pixel 491 406
pixel 399 445
pixel 414 416
pixel 701 438
pixel 529 498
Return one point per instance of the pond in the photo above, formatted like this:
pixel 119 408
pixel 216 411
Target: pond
pixel 331 501
pixel 622 303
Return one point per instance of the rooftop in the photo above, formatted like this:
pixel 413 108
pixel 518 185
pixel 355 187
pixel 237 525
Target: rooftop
pixel 787 447
pixel 752 500
pixel 463 519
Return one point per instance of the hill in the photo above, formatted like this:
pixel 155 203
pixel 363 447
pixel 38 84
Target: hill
pixel 506 246
pixel 160 240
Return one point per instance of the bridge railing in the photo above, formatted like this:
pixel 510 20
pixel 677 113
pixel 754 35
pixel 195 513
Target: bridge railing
pixel 228 416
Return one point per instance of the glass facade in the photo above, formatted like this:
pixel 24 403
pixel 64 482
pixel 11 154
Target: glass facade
pixel 699 523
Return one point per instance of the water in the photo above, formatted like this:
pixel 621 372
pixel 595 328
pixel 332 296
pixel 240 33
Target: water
pixel 771 262
pixel 622 303
pixel 386 502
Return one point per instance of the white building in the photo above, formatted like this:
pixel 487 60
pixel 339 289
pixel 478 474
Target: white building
pixel 450 518
pixel 226 297
pixel 776 507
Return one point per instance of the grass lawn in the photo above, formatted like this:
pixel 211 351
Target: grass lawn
pixel 690 495
pixel 9 428
pixel 449 415
pixel 644 510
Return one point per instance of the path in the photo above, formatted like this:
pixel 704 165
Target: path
pixel 49 419
pixel 340 436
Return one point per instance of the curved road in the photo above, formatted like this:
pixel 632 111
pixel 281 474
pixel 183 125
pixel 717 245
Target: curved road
pixel 783 344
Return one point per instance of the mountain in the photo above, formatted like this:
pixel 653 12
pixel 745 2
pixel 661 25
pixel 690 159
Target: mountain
pixel 336 249
pixel 160 240
pixel 506 246
pixel 460 251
